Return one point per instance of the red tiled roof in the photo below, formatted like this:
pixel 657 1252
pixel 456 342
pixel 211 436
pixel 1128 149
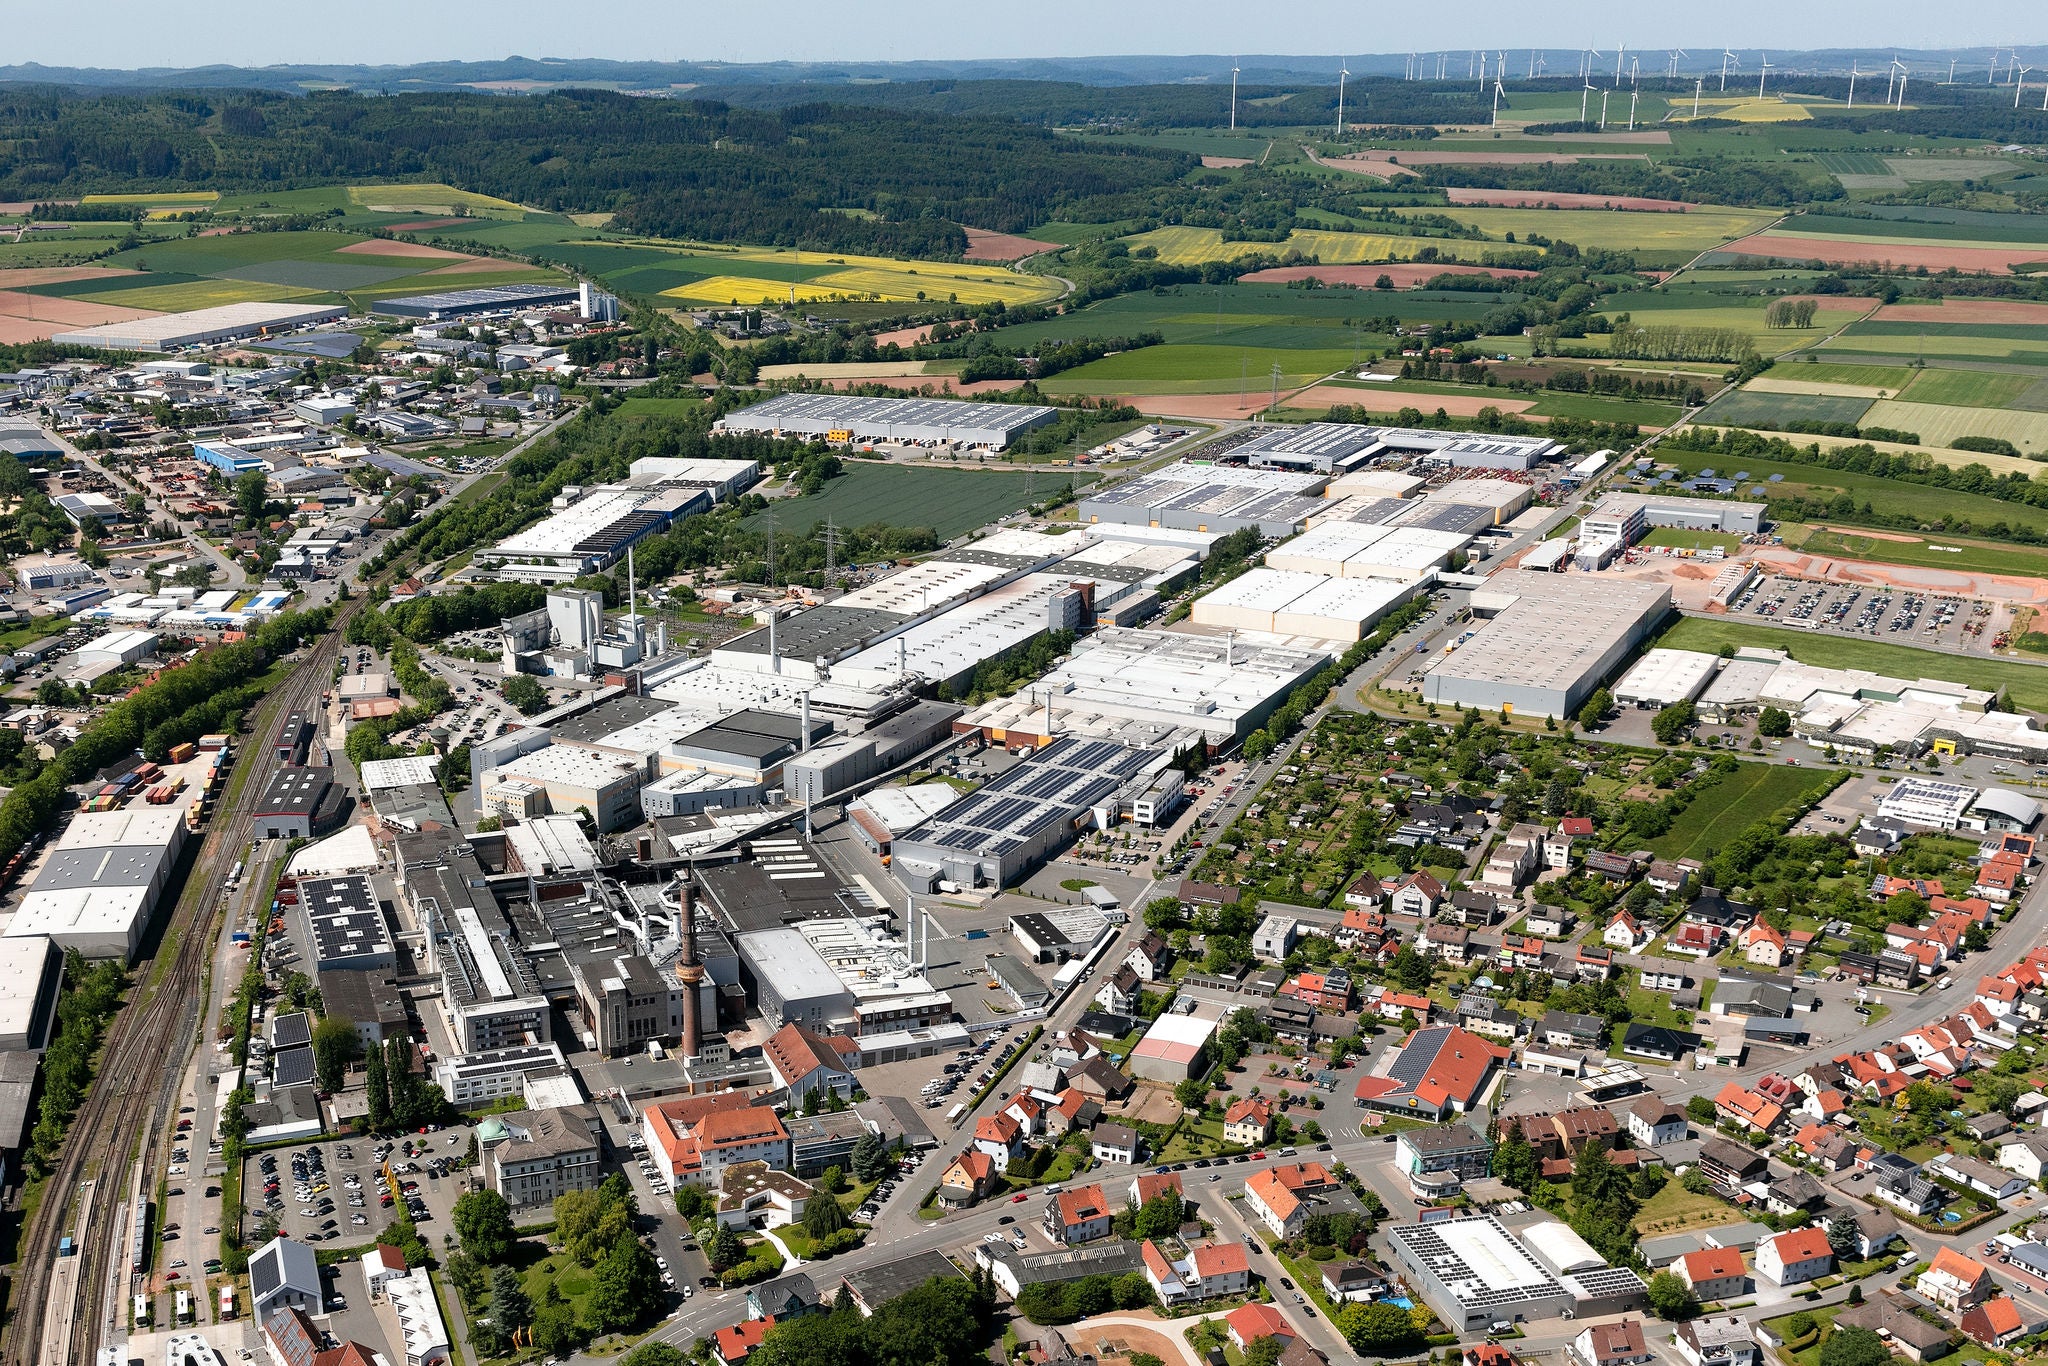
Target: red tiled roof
pixel 1255 1321
pixel 1082 1205
pixel 1801 1245
pixel 1221 1259
pixel 1712 1264
pixel 736 1341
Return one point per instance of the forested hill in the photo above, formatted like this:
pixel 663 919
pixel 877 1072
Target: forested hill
pixel 675 168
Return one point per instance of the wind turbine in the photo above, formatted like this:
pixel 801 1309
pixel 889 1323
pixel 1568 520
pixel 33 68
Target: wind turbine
pixel 1603 109
pixel 1903 73
pixel 2019 84
pixel 1633 96
pixel 1497 93
pixel 1676 53
pixel 1233 94
pixel 1342 71
pixel 1991 72
pixel 1726 58
pixel 1584 95
pixel 1482 71
pixel 1618 49
pixel 1699 83
pixel 1951 72
pixel 1853 74
pixel 1764 71
pixel 1532 63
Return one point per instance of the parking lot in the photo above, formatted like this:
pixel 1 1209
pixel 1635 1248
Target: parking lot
pixel 944 1080
pixel 1899 616
pixel 334 1190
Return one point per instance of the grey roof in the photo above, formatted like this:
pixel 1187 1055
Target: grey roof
pixel 1444 1138
pixel 1669 1248
pixel 1110 1257
pixel 1894 1314
pixel 879 1284
pixel 284 1264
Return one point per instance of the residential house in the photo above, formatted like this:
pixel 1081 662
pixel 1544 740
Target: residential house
pixel 1898 1318
pixel 1275 937
pixel 1392 1005
pixel 1280 1197
pixel 1695 940
pixel 1557 849
pixel 1248 1122
pixel 2025 1153
pixel 1657 1043
pixel 1001 1137
pixel 1352 1283
pixel 1665 878
pixel 1611 1344
pixel 1714 1273
pixel 1151 958
pixel 1564 1029
pixel 1115 1143
pixel 1625 933
pixel 1795 1193
pixel 1069 1112
pixel 1763 945
pixel 1417 894
pixel 1332 989
pixel 1248 1324
pixel 1552 922
pixel 1730 1166
pixel 1079 1215
pixel 1208 1271
pixel 1875 1229
pixel 1795 1258
pixel 967 1179
pixel 1997 1182
pixel 1119 995
pixel 734 1343
pixel 1999 1322
pixel 784 1298
pixel 1365 893
pixel 1613 867
pixel 1450 943
pixel 1716 1340
pixel 1592 963
pixel 1955 1282
pixel 1654 1121
pixel 1899 1182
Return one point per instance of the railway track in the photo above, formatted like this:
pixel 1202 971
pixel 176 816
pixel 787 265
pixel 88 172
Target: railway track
pixel 144 1056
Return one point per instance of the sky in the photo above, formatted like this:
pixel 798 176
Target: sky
pixel 135 33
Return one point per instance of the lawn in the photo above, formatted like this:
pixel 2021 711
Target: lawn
pixel 1750 792
pixel 2025 684
pixel 658 407
pixel 1886 496
pixel 1989 557
pixel 951 502
pixel 1682 539
pixel 1674 1209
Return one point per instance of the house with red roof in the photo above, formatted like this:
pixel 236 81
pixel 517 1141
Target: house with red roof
pixel 1149 1186
pixel 1998 881
pixel 1391 1005
pixel 732 1345
pixel 1001 1138
pixel 694 1139
pixel 1442 1070
pixel 1281 1197
pixel 1332 990
pixel 1795 1258
pixel 1625 933
pixel 1248 1122
pixel 1998 1322
pixel 804 1063
pixel 1739 1105
pixel 1254 1321
pixel 1028 1111
pixel 1071 1111
pixel 1954 1281
pixel 1763 945
pixel 1714 1273
pixel 967 1180
pixel 1415 893
pixel 1079 1215
pixel 1695 940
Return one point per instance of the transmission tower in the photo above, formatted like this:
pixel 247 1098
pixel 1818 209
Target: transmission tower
pixel 831 535
pixel 1276 384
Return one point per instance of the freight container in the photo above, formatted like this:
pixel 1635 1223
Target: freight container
pixel 182 754
pixel 213 742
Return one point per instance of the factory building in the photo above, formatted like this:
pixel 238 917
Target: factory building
pixel 590 533
pixel 345 924
pixel 831 768
pixel 200 327
pixel 118 648
pixel 491 994
pixel 1551 639
pixel 475 1079
pixel 468 303
pixel 1293 604
pixel 1023 816
pixel 228 459
pixel 563 780
pixel 1324 447
pixel 1627 517
pixel 1475 1273
pixel 291 805
pixel 1663 678
pixel 790 981
pixel 1216 499
pixel 1144 688
pixel 626 1003
pixel 100 884
pixel 922 421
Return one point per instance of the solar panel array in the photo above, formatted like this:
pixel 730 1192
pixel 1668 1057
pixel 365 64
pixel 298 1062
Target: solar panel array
pixel 1063 779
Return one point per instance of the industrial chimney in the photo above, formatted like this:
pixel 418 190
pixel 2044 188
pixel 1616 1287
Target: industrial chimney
pixel 689 969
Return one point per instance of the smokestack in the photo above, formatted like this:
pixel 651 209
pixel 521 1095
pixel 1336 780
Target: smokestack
pixel 806 742
pixel 774 653
pixel 688 969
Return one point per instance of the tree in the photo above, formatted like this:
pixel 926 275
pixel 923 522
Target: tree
pixel 1774 722
pixel 335 1045
pixel 692 1203
pixel 823 1217
pixel 526 694
pixel 1854 1347
pixel 1671 1298
pixel 1844 1238
pixel 1380 1330
pixel 1264 1351
pixel 484 1223
pixel 870 1158
pixel 1596 708
pixel 511 1310
pixel 379 1092
pixel 725 1250
pixel 1159 1216
pixel 627 1286
pixel 1514 1161
pixel 250 494
pixel 653 1354
pixel 1412 971
pixel 1700 1109
pixel 1192 1093
pixel 1671 723
pixel 832 1180
pixel 554 1330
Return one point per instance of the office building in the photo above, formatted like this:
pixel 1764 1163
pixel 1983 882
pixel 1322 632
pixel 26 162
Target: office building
pixel 530 1157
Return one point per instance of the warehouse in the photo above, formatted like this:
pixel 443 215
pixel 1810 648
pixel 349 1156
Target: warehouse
pixel 201 327
pixel 1218 499
pixel 1475 1273
pixel 27 443
pixel 1291 604
pixel 725 480
pixel 1317 447
pixel 118 647
pixel 790 981
pixel 1175 1048
pixel 31 974
pixel 90 507
pixel 227 458
pixel 1024 815
pixel 831 768
pixel 590 534
pixel 1354 550
pixel 878 817
pixel 466 303
pixel 562 780
pixel 345 925
pixel 1141 687
pixel 1551 640
pixel 1629 516
pixel 1502 498
pixel 290 804
pixel 100 884
pixel 923 421
pixel 693 791
pixel 945 650
pixel 1926 802
pixel 1663 678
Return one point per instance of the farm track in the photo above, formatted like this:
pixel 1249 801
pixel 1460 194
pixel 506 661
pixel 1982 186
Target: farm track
pixel 138 1078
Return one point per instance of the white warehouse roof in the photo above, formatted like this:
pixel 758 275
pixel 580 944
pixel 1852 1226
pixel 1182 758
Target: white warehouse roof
pixel 1559 1248
pixel 1664 677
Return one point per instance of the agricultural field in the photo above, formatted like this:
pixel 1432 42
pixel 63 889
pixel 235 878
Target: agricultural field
pixel 1969 388
pixel 949 501
pixel 1670 236
pixel 1957 553
pixel 1197 246
pixel 1199 369
pixel 710 275
pixel 429 199
pixel 1751 791
pixel 1984 343
pixel 1889 378
pixel 1941 425
pixel 2025 684
pixel 1760 408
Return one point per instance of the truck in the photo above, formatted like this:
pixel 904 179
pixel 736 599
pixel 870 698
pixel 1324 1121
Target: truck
pixel 953 1115
pixel 654 1050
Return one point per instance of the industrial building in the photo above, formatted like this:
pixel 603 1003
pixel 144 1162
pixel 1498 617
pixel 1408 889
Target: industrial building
pixel 472 1080
pixel 491 994
pixel 1627 517
pixel 790 981
pixel 1551 639
pixel 589 534
pixel 1148 688
pixel 344 924
pixel 1663 678
pixel 1291 604
pixel 200 327
pixel 922 421
pixel 118 647
pixel 827 769
pixel 563 780
pixel 31 975
pixel 1356 550
pixel 1217 499
pixel 1475 1273
pixel 1175 1048
pixel 1328 446
pixel 100 884
pixel 1020 818
pixel 228 459
pixel 468 303
pixel 290 807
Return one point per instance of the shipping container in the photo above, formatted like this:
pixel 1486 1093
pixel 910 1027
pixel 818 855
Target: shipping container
pixel 182 754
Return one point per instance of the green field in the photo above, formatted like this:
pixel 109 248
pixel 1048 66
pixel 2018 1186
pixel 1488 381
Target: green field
pixel 1659 235
pixel 1187 369
pixel 1886 496
pixel 1942 425
pixel 1682 539
pixel 658 407
pixel 1752 791
pixel 951 502
pixel 1852 163
pixel 2025 684
pixel 1967 555
pixel 1968 388
pixel 1889 377
pixel 2014 228
pixel 1750 408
